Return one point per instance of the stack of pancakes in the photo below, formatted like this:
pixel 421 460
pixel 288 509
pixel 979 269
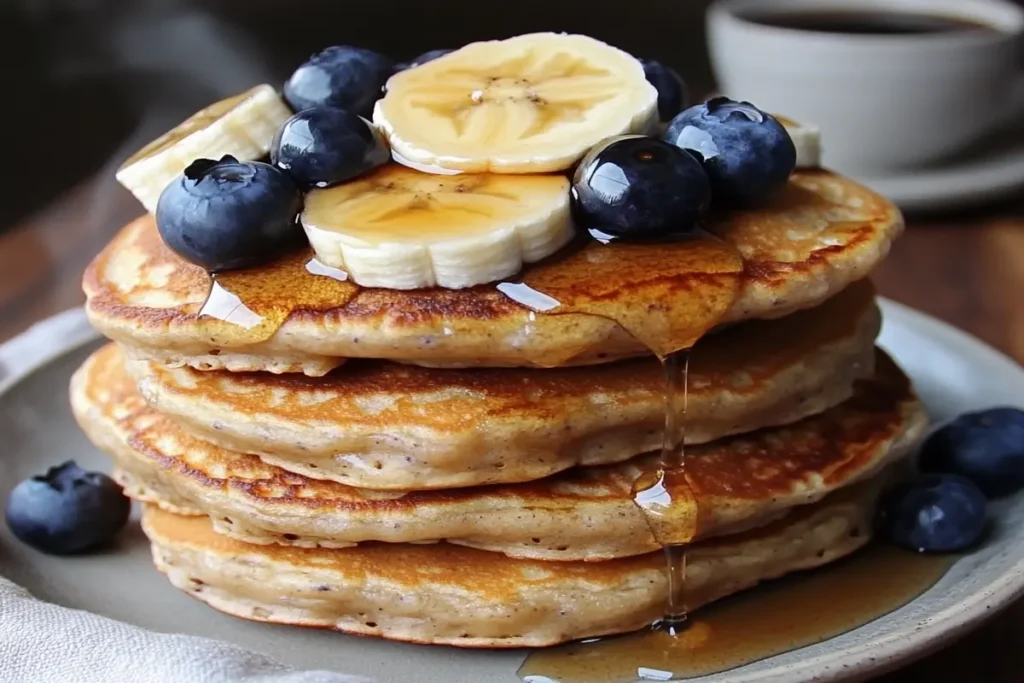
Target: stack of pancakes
pixel 451 466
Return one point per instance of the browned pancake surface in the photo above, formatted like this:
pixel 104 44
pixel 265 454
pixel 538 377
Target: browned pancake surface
pixel 819 234
pixel 384 425
pixel 584 513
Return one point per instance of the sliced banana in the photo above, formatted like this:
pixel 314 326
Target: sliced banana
pixel 401 229
pixel 806 139
pixel 531 104
pixel 243 126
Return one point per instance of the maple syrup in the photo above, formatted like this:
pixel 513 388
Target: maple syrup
pixel 666 295
pixel 248 306
pixel 776 617
pixel 665 496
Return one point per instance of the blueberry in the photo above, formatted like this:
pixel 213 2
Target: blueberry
pixel 673 96
pixel 987 447
pixel 67 510
pixel 229 214
pixel 323 146
pixel 639 187
pixel 935 513
pixel 747 154
pixel 428 56
pixel 342 76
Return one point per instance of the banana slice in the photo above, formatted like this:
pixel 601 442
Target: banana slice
pixel 806 139
pixel 531 104
pixel 243 126
pixel 401 229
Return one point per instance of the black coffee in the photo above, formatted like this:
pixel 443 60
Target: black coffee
pixel 868 22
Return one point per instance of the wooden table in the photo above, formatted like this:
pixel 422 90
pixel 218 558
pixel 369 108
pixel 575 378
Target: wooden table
pixel 965 269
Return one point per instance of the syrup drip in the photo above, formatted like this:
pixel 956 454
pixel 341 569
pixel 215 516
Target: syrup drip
pixel 684 287
pixel 248 306
pixel 665 496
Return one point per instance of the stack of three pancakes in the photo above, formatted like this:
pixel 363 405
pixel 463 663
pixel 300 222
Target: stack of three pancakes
pixel 421 491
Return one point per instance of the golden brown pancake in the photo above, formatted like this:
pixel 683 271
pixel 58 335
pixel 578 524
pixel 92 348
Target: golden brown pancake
pixel 445 594
pixel 383 425
pixel 580 514
pixel 818 235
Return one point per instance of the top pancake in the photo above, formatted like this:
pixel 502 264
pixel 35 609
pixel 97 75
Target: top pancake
pixel 820 233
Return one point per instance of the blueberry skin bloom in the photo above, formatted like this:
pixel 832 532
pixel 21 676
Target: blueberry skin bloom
pixel 935 513
pixel 324 146
pixel 428 56
pixel 986 446
pixel 342 76
pixel 228 214
pixel 67 510
pixel 641 188
pixel 673 95
pixel 748 155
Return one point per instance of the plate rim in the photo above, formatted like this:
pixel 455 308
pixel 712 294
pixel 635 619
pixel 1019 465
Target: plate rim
pixel 65 332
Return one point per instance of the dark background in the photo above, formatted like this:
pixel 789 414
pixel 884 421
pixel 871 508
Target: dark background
pixel 85 82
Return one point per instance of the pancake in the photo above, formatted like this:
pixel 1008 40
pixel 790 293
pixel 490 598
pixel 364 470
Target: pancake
pixel 444 594
pixel 383 425
pixel 580 514
pixel 821 233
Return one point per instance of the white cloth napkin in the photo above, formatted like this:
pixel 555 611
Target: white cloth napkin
pixel 43 643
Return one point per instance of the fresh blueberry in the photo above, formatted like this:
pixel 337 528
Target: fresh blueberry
pixel 67 510
pixel 639 187
pixel 935 513
pixel 229 214
pixel 673 95
pixel 748 155
pixel 342 76
pixel 428 56
pixel 987 447
pixel 324 146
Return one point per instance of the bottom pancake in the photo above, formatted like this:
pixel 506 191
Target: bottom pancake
pixel 451 595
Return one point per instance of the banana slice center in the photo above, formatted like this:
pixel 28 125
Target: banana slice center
pixel 515 99
pixel 407 206
pixel 504 89
pixel 444 209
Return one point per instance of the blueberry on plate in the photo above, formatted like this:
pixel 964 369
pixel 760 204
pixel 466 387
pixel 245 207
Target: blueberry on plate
pixel 67 510
pixel 935 513
pixel 324 146
pixel 427 56
pixel 747 154
pixel 673 95
pixel 230 214
pixel 342 76
pixel 987 447
pixel 639 187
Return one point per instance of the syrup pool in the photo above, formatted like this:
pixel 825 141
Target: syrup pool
pixel 779 616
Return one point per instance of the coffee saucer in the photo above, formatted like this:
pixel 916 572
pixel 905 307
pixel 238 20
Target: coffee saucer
pixel 992 170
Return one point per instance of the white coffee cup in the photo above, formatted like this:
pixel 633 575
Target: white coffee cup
pixel 882 101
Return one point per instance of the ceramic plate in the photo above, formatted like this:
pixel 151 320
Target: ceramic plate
pixel 953 373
